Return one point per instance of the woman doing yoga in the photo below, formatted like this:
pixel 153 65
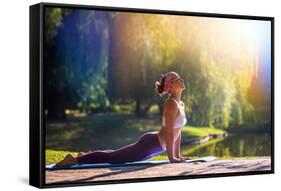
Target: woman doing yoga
pixel 168 138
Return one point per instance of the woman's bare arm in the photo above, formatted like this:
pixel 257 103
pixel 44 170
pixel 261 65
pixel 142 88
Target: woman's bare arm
pixel 178 146
pixel 178 149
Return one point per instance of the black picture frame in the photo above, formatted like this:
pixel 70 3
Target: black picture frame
pixel 37 126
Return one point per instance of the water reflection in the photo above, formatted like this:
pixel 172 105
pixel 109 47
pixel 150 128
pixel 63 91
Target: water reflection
pixel 238 145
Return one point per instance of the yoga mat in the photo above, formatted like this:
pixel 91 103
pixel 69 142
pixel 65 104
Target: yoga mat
pixel 104 165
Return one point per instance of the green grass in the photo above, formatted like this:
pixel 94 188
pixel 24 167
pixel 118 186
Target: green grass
pixel 54 156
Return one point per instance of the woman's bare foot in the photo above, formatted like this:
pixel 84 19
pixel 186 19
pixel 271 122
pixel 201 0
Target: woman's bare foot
pixel 81 154
pixel 67 161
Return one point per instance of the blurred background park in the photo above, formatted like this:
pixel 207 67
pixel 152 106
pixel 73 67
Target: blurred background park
pixel 100 68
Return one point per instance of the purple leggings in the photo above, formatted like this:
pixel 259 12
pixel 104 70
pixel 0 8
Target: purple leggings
pixel 144 148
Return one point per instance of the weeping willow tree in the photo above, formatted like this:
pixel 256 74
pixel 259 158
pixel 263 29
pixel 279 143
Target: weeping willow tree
pixel 145 46
pixel 221 64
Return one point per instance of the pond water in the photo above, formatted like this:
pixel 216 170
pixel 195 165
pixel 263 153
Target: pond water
pixel 235 145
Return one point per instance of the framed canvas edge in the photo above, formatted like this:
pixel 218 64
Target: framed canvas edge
pixel 41 133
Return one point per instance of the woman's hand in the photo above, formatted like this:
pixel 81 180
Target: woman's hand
pixel 185 158
pixel 177 160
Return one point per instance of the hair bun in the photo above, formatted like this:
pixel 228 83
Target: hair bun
pixel 159 86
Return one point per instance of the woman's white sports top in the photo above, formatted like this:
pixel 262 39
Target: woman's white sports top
pixel 180 120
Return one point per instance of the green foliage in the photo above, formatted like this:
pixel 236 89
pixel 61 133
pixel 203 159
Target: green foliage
pixel 94 97
pixel 134 49
pixel 53 20
pixel 218 91
pixel 154 108
pixel 150 50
